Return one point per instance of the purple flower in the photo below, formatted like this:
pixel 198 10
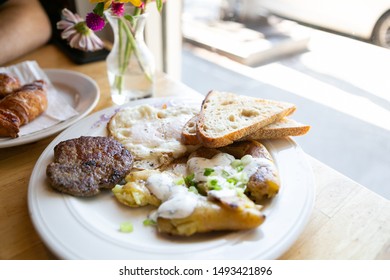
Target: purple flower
pixel 117 9
pixel 95 22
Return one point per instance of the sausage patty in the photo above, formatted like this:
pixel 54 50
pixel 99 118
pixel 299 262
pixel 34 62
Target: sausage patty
pixel 84 165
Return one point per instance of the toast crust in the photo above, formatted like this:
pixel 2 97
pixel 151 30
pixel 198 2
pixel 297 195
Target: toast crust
pixel 188 134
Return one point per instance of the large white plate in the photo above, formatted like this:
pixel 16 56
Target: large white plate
pixel 87 228
pixel 79 90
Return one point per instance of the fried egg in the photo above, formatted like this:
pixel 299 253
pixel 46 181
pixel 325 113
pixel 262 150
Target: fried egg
pixel 152 134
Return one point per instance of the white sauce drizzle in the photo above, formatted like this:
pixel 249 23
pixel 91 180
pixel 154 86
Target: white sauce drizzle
pixel 257 163
pixel 219 162
pixel 177 201
pixel 222 170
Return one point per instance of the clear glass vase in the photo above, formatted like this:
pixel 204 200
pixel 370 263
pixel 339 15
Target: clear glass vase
pixel 130 63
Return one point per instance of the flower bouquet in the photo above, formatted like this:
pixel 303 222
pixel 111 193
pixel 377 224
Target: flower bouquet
pixel 130 64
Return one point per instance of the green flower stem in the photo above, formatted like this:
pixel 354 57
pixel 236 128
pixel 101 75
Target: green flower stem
pixel 119 78
pixel 120 40
pixel 132 43
pixel 124 56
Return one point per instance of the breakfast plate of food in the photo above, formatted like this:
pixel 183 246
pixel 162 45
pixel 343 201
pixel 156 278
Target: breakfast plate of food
pixel 173 178
pixel 25 113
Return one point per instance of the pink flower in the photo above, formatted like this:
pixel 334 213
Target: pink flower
pixel 68 19
pixel 77 33
pixel 95 22
pixel 117 9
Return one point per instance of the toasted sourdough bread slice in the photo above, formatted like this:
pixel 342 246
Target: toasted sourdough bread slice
pixel 279 129
pixel 226 117
pixel 188 133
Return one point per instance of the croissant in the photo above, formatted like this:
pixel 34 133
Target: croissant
pixel 8 84
pixel 21 107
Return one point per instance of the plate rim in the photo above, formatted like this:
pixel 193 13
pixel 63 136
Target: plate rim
pixel 46 132
pixel 62 251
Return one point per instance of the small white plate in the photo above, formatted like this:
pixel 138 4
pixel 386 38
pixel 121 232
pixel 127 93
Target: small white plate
pixel 78 89
pixel 88 228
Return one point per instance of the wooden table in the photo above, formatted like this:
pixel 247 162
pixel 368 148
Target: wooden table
pixel 348 221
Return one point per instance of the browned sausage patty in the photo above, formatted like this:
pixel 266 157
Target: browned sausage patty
pixel 85 165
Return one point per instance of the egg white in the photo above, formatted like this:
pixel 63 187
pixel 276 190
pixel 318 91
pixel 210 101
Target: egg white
pixel 152 134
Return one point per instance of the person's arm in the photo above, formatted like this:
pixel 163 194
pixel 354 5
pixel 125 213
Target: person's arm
pixel 24 26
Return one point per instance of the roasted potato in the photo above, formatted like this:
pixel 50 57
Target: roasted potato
pixel 265 182
pixel 211 216
pixel 134 193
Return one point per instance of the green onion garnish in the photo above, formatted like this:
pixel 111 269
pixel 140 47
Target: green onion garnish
pixel 213 185
pixel 240 168
pixel 232 181
pixel 225 174
pixel 208 171
pixel 216 188
pixel 149 222
pixel 126 227
pixel 189 180
pixel 213 182
pixel 193 189
pixel 180 181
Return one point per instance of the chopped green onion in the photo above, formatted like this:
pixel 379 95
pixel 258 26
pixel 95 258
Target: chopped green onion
pixel 149 222
pixel 232 181
pixel 238 165
pixel 180 181
pixel 126 227
pixel 213 182
pixel 225 174
pixel 240 168
pixel 208 171
pixel 240 177
pixel 193 189
pixel 189 180
pixel 216 188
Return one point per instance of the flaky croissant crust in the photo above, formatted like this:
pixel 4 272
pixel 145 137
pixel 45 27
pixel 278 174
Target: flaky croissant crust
pixel 21 107
pixel 8 84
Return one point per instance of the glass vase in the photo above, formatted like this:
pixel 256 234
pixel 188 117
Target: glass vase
pixel 130 63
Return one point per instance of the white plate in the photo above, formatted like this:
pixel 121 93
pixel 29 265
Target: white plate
pixel 87 228
pixel 79 90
